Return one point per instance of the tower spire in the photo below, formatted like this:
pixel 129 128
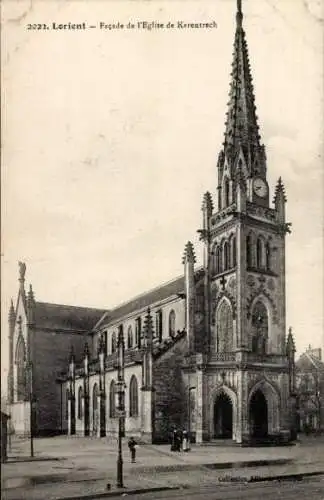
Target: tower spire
pixel 239 14
pixel 241 127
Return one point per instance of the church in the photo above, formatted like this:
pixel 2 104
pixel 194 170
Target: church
pixel 206 352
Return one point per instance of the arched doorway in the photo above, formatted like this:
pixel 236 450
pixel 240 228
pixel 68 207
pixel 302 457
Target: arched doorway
pixel 223 417
pixel 258 415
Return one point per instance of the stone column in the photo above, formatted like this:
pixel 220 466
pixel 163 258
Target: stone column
pixel 147 407
pixel 189 260
pixel 199 399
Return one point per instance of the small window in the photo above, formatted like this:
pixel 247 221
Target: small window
pixel 138 332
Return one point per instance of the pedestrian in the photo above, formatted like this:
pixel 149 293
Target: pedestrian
pixel 174 440
pixel 185 441
pixel 132 448
pixel 179 440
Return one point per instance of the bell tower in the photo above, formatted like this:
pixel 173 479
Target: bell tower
pixel 245 274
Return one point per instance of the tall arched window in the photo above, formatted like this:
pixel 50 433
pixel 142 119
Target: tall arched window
pixel 226 192
pixel 138 331
pixel 259 328
pixel 133 397
pixel 113 342
pixel 219 264
pixel 80 403
pixel 233 251
pixel 95 412
pixel 259 252
pixel 249 250
pixel 226 256
pixel 172 318
pixel 268 256
pixel 224 325
pixel 159 325
pixel 112 404
pixel 129 337
pixel 67 400
pixel 21 369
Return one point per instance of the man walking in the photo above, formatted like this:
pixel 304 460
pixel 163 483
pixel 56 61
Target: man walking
pixel 132 448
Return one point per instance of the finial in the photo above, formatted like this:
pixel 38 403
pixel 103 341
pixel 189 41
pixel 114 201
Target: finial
pixel 22 271
pixel 11 311
pixel 189 254
pixel 30 293
pixel 207 203
pixel 280 192
pixel 86 350
pixel 71 357
pixel 239 14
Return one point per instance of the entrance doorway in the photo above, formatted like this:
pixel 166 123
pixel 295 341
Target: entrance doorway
pixel 223 417
pixel 258 415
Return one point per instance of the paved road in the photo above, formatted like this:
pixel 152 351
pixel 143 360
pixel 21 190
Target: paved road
pixel 298 490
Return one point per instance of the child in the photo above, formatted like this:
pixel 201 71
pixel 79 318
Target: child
pixel 132 448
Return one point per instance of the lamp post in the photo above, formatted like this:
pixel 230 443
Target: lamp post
pixel 120 393
pixel 191 388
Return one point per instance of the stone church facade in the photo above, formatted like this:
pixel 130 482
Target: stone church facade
pixel 207 350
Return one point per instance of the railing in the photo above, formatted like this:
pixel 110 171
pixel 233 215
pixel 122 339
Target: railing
pixel 221 356
pixel 266 358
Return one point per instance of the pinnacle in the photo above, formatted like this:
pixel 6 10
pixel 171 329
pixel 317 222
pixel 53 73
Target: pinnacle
pixel 189 253
pixel 148 326
pixel 208 203
pixel 279 192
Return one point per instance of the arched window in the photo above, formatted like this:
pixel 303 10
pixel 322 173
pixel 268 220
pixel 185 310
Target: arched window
pixel 138 332
pixel 226 256
pixel 268 256
pixel 233 251
pixel 226 192
pixel 224 325
pixel 113 343
pixel 249 250
pixel 130 338
pixel 259 253
pixel 67 399
pixel 112 404
pixel 21 369
pixel 159 325
pixel 172 318
pixel 259 328
pixel 133 397
pixel 219 260
pixel 80 403
pixel 95 412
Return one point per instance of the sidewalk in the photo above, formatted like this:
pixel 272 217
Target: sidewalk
pixel 75 467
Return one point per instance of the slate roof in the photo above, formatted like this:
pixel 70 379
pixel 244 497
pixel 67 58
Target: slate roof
pixel 146 299
pixel 58 316
pixel 307 361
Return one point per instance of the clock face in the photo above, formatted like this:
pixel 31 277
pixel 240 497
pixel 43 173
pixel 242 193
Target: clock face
pixel 260 187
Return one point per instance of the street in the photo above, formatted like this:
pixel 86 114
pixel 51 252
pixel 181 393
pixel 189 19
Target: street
pixel 299 490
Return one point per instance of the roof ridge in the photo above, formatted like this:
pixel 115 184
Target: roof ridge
pixel 140 295
pixel 69 305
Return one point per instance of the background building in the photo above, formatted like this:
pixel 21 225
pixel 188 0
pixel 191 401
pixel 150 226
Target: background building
pixel 310 390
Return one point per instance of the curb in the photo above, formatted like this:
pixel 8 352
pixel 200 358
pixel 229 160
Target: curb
pixel 14 460
pixel 123 491
pixel 285 477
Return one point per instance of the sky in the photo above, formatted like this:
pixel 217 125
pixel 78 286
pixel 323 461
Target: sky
pixel 111 137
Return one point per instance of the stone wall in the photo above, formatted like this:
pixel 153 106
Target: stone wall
pixel 50 356
pixel 170 401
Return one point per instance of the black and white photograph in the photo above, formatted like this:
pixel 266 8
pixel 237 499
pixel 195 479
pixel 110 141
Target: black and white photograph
pixel 162 329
